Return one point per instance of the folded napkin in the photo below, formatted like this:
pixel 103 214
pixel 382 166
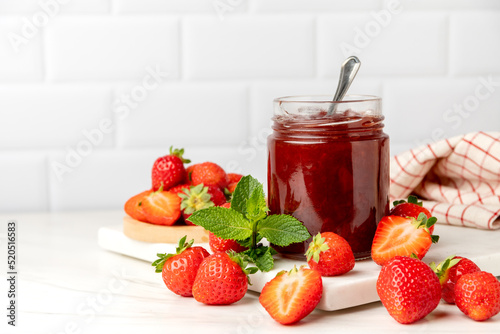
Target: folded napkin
pixel 458 178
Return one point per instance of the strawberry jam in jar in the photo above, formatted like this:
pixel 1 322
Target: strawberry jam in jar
pixel 328 166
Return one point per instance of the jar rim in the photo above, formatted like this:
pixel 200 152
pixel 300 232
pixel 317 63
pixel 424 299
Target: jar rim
pixel 326 99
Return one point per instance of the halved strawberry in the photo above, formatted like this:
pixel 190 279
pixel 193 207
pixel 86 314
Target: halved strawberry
pixel 133 207
pixel 410 208
pixel 162 207
pixel 291 296
pixel 401 236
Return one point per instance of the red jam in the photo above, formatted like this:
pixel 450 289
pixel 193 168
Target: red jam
pixel 331 172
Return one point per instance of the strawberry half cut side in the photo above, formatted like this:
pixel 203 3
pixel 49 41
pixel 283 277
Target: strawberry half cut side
pixel 402 236
pixel 292 295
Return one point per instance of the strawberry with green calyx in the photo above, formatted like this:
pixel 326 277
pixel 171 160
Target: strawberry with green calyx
pixel 449 271
pixel 179 269
pixel 222 279
pixel 411 208
pixel 180 188
pixel 408 289
pixel 200 197
pixel 169 170
pixel 161 207
pixel 330 254
pixel 401 236
pixel 247 221
pixel 477 295
pixel 292 295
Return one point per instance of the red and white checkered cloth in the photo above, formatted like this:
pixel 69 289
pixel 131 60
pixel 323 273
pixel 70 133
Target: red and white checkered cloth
pixel 458 178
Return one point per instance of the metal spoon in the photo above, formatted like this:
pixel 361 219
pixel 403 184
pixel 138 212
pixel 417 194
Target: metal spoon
pixel 348 71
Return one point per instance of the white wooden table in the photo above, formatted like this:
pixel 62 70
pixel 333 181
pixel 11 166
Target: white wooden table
pixel 68 284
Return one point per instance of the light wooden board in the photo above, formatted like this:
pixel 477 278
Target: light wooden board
pixel 352 289
pixel 152 233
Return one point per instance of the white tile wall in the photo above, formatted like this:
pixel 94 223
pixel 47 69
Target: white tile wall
pixel 435 63
pixel 23 181
pixel 52 116
pixel 446 4
pixel 475 43
pixel 444 107
pixel 162 6
pixel 248 47
pixel 394 44
pixel 53 7
pixel 110 48
pixel 314 5
pixel 20 57
pixel 186 114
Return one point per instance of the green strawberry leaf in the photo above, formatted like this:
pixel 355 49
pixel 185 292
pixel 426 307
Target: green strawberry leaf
pixel 163 257
pixel 282 230
pixel 223 222
pixel 414 200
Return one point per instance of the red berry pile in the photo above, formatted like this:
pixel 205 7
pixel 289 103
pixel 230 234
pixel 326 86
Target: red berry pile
pixel 176 191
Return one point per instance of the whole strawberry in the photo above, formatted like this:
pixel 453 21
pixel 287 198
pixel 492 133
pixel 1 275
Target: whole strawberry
pixel 410 208
pixel 330 254
pixel 210 174
pixel 408 289
pixel 200 197
pixel 222 279
pixel 233 177
pixel 477 295
pixel 169 170
pixel 179 189
pixel 449 271
pixel 179 270
pixel 292 295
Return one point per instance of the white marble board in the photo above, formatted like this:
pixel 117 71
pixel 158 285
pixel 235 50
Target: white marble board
pixel 352 289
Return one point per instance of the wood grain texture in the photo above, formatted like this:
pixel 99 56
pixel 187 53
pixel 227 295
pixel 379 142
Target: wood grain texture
pixel 147 232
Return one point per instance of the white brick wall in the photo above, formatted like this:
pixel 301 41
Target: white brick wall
pixel 119 81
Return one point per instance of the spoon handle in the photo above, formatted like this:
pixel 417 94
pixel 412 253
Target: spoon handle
pixel 348 71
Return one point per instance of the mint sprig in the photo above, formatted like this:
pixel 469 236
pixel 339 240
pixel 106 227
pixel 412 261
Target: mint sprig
pixel 248 222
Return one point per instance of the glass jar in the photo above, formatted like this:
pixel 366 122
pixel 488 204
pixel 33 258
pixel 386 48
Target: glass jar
pixel 328 166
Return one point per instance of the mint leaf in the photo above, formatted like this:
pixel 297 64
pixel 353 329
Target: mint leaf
pixel 244 189
pixel 223 222
pixel 265 261
pixel 262 256
pixel 256 205
pixel 248 242
pixel 282 230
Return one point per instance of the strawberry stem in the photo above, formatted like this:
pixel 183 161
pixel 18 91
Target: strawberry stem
pixel 178 153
